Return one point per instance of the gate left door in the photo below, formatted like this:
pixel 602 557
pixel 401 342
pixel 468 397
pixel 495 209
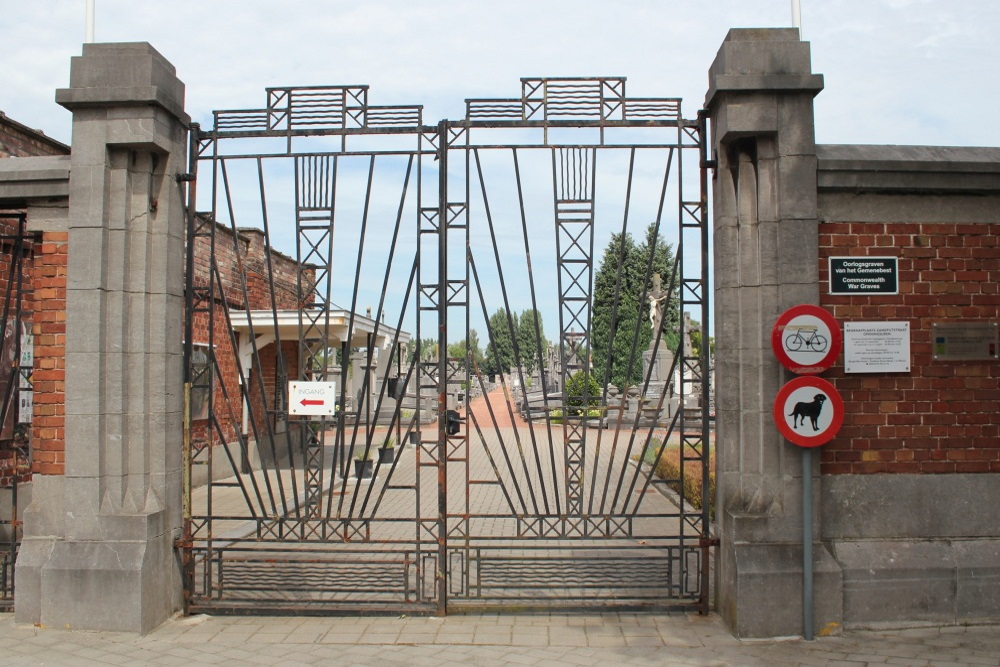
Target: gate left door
pixel 15 391
pixel 311 463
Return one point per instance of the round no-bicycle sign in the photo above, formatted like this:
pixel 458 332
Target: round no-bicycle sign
pixel 806 339
pixel 808 411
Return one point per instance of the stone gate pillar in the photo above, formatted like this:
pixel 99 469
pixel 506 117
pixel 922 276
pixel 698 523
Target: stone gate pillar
pixel 98 541
pixel 760 101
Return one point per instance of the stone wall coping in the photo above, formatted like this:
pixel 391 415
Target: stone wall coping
pixel 908 169
pixel 26 178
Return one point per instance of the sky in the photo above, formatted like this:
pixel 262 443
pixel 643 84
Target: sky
pixel 896 71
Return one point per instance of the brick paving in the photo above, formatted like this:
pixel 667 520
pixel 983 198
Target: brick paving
pixel 487 639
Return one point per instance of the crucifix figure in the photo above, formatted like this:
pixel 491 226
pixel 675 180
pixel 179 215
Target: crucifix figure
pixel 656 298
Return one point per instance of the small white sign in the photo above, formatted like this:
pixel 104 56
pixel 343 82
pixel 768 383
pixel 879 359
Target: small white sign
pixel 877 347
pixel 25 407
pixel 312 398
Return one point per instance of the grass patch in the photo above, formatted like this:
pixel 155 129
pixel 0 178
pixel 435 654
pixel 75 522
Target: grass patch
pixel 669 468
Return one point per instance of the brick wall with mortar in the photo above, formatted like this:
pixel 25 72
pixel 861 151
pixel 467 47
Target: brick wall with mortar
pixel 43 269
pixel 942 416
pixel 49 372
pixel 246 249
pixel 17 140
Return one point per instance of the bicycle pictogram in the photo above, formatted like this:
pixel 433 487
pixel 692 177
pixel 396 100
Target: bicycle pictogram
pixel 807 336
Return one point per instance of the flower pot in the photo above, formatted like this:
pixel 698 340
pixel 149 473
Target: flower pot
pixel 363 468
pixel 386 454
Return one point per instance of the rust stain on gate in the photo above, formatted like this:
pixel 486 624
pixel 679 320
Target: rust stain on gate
pixel 336 241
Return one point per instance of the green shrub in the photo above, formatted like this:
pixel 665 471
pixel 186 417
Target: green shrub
pixel 578 384
pixel 669 468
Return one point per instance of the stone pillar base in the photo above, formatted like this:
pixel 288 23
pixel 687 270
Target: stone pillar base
pixel 110 585
pixel 761 590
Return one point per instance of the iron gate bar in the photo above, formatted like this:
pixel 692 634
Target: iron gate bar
pixel 513 334
pixel 243 384
pixel 18 244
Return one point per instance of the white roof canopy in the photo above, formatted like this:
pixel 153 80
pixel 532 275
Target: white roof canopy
pixel 285 325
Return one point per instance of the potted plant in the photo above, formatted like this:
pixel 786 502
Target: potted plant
pixel 363 466
pixel 387 452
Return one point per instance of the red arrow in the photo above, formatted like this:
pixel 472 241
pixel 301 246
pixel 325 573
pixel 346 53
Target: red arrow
pixel 307 401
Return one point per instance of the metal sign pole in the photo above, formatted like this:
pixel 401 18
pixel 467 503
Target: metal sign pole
pixel 807 545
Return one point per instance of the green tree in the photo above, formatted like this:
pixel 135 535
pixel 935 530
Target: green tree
pixel 428 349
pixel 627 268
pixel 468 346
pixel 531 341
pixel 500 350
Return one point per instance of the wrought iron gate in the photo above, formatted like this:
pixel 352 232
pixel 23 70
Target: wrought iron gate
pixel 503 487
pixel 15 391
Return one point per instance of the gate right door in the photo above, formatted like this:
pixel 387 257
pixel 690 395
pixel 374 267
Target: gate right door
pixel 576 237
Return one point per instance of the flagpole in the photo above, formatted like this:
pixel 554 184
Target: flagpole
pixel 90 21
pixel 796 16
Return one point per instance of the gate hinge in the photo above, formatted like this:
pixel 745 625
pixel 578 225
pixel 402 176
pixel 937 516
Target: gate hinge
pixel 183 543
pixel 185 177
pixel 708 542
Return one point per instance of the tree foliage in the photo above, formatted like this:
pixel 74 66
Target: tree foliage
pixel 531 343
pixel 500 347
pixel 627 268
pixel 531 340
pixel 468 346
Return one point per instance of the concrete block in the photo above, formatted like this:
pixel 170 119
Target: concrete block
pixel 44 514
pixel 768 189
pixel 798 249
pixel 767 582
pixel 770 261
pixel 81 506
pixel 83 433
pixel 85 263
pixel 726 257
pixel 109 586
pixel 85 320
pixel 48 216
pixel 797 185
pixel 84 383
pixel 797 123
pixel 749 255
pixel 897 581
pixel 910 506
pixel 977 579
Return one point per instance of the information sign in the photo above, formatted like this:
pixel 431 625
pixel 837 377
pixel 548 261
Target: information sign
pixel 806 339
pixel 864 275
pixel 965 341
pixel 877 347
pixel 808 411
pixel 312 398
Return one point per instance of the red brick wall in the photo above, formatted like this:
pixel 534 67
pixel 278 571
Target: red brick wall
pixel 943 416
pixel 19 141
pixel 49 373
pixel 249 247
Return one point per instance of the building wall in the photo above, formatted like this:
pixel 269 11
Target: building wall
pixel 249 291
pixel 43 283
pixel 17 140
pixel 942 416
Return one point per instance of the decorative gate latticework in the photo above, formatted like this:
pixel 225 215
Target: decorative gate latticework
pixel 349 447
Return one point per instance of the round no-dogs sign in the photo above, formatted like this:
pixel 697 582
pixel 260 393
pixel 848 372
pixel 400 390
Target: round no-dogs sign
pixel 808 411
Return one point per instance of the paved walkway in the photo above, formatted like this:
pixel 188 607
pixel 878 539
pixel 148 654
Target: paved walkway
pixel 598 639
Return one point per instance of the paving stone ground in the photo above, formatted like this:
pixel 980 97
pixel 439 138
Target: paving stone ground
pixel 486 639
